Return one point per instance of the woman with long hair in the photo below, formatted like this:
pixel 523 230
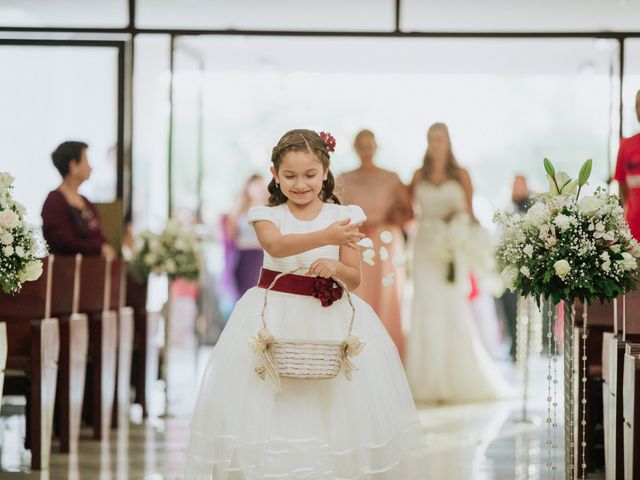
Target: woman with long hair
pixel 446 362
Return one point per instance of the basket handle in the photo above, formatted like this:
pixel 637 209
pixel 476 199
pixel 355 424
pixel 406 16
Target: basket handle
pixel 337 280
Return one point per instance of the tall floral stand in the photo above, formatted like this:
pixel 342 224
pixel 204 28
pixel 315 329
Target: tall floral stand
pixel 575 390
pixel 569 391
pixel 528 323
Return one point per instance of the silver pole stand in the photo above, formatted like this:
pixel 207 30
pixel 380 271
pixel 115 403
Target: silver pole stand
pixel 569 379
pixel 525 309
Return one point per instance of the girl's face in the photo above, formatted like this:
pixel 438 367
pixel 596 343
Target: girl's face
pixel 300 176
pixel 438 144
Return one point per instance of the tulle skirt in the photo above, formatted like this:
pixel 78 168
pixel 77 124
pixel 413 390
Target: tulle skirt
pixel 244 428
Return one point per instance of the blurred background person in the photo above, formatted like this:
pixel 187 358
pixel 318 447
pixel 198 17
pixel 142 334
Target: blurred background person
pixel 246 260
pixel 385 200
pixel 70 222
pixel 521 199
pixel 446 361
pixel 628 176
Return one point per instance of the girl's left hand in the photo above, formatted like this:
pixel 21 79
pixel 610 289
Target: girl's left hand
pixel 323 267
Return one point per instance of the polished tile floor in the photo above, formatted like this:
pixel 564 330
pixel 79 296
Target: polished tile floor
pixel 467 442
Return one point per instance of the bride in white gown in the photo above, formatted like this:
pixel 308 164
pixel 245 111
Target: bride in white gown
pixel 446 361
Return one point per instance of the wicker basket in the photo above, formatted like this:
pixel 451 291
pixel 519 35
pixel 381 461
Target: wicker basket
pixel 304 359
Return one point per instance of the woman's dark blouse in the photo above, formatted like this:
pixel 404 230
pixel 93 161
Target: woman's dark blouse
pixel 69 230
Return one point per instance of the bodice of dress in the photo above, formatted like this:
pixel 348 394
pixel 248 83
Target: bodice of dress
pixel 376 192
pixel 436 202
pixel 282 217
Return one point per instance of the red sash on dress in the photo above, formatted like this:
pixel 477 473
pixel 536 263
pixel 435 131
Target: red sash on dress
pixel 324 289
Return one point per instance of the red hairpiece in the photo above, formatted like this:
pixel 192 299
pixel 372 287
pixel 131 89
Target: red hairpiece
pixel 329 140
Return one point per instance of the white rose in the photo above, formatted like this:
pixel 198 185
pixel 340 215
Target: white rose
pixel 563 222
pixel 589 205
pixel 6 179
pixel 525 271
pixel 562 268
pixel 8 251
pixel 6 238
pixel 605 256
pixel 31 271
pixel 509 276
pixel 528 250
pixel 20 251
pixel 628 262
pixel 537 214
pixel 170 266
pixel 599 227
pixel 21 208
pixel 606 266
pixel 9 219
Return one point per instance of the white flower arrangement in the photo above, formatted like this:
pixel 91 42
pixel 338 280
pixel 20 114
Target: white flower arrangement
pixel 175 252
pixel 566 247
pixel 20 248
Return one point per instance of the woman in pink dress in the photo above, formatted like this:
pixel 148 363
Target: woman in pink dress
pixel 385 201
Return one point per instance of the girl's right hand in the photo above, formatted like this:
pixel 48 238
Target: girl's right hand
pixel 345 233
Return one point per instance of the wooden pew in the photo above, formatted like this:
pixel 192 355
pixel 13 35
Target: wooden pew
pixel 606 355
pixel 631 411
pixel 145 350
pixel 125 342
pixel 3 354
pixel 32 360
pixel 95 298
pixel 74 342
pixel 600 321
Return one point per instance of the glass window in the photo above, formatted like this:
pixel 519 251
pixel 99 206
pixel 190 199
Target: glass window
pixel 187 141
pixel 64 13
pixel 271 15
pixel 508 103
pixel 496 15
pixel 150 131
pixel 631 86
pixel 53 94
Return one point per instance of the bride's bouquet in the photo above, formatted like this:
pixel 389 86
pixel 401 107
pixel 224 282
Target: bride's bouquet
pixel 20 249
pixel 175 252
pixel 463 242
pixel 566 247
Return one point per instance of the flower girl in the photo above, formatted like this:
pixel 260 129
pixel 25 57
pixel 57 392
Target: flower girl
pixel 270 404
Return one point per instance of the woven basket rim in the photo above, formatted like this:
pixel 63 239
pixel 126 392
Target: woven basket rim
pixel 308 342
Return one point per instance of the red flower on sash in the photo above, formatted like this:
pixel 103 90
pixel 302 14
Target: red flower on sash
pixel 326 290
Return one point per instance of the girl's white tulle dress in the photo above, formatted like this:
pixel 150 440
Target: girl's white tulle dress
pixel 244 428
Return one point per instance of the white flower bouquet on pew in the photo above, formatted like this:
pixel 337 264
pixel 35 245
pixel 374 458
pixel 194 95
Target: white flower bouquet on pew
pixel 20 248
pixel 175 252
pixel 566 247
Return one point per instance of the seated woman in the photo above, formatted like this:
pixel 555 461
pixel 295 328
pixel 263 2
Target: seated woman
pixel 70 222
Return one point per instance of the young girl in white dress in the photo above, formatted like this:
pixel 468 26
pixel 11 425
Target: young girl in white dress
pixel 245 426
